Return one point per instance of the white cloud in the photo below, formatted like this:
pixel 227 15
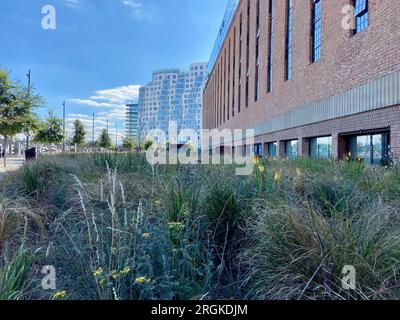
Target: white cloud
pixel 75 4
pixel 120 95
pixel 113 101
pixel 137 9
pixel 91 103
pixel 111 98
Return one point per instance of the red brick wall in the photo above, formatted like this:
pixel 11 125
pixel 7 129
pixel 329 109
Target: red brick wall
pixel 387 118
pixel 346 60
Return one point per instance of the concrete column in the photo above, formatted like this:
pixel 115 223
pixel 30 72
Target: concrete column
pixel 304 147
pixel 335 146
pixel 281 152
pixel 265 149
pixel 339 147
pixel 395 142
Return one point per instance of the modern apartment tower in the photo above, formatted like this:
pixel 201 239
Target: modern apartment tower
pixel 173 96
pixel 313 78
pixel 132 121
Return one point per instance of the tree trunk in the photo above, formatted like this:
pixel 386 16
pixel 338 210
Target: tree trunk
pixel 27 140
pixel 5 150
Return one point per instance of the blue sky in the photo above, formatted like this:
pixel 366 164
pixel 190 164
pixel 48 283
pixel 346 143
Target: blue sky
pixel 102 50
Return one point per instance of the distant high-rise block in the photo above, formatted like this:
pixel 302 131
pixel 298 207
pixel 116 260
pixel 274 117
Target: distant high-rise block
pixel 173 96
pixel 131 121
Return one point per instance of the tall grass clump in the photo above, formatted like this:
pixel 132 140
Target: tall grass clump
pixel 117 228
pixel 299 249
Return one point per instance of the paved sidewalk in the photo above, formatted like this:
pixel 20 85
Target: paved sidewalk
pixel 12 165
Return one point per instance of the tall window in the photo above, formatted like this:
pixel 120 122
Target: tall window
pixel 240 62
pixel 229 79
pixel 234 72
pixel 271 43
pixel 256 82
pixel 361 15
pixel 224 87
pixel 289 40
pixel 248 54
pixel 316 30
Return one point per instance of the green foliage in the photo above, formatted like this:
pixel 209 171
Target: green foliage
pixel 16 105
pixel 123 229
pixel 104 140
pixel 14 277
pixel 147 145
pixel 51 131
pixel 128 144
pixel 79 133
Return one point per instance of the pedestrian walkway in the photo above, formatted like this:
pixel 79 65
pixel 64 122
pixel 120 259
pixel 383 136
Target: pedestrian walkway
pixel 12 165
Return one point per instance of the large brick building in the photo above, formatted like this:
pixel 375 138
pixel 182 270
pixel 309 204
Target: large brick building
pixel 314 78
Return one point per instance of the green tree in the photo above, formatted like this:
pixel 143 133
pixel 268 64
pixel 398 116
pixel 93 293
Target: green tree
pixel 50 131
pixel 104 140
pixel 16 105
pixel 128 144
pixel 79 133
pixel 148 144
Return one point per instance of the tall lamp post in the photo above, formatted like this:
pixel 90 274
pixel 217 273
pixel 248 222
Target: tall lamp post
pixel 93 134
pixel 29 94
pixel 64 127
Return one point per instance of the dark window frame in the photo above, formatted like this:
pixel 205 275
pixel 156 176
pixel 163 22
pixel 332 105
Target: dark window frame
pixel 361 15
pixel 316 30
pixel 289 41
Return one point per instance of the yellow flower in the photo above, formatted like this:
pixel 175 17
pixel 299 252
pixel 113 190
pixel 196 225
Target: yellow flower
pixel 142 280
pixel 114 274
pixel 98 272
pixel 277 175
pixel 60 295
pixel 256 159
pixel 261 168
pixel 146 235
pixel 298 171
pixel 157 202
pixel 126 270
pixel 102 282
pixel 175 226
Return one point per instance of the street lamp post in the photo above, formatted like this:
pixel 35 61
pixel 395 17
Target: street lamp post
pixel 93 134
pixel 64 127
pixel 29 95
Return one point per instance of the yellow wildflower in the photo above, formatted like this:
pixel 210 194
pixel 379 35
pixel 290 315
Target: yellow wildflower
pixel 114 274
pixel 277 175
pixel 98 272
pixel 256 159
pixel 157 202
pixel 126 270
pixel 142 280
pixel 60 295
pixel 175 226
pixel 146 235
pixel 261 168
pixel 102 282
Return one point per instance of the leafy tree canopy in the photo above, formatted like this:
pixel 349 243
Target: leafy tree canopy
pixel 128 144
pixel 104 140
pixel 79 133
pixel 51 130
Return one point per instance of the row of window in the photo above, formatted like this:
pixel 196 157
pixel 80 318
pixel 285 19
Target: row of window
pixel 223 102
pixel 369 148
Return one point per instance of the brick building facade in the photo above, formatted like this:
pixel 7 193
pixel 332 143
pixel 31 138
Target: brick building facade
pixel 311 77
